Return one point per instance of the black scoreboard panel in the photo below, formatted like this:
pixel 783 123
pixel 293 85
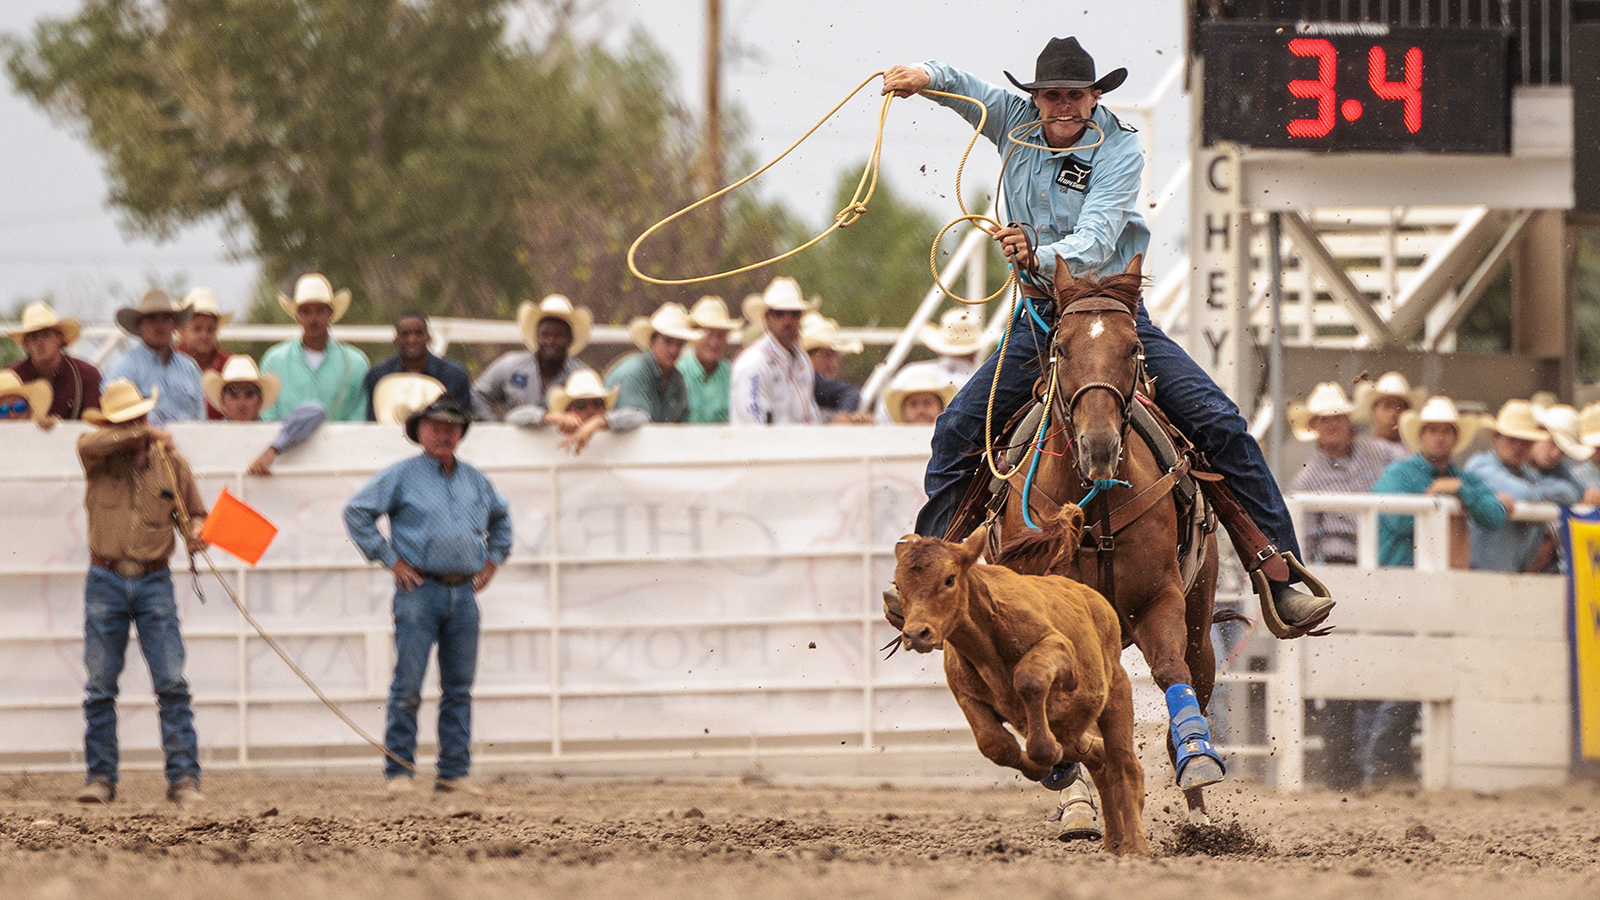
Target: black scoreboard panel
pixel 1338 86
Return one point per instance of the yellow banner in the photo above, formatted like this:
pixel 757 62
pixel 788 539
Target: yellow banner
pixel 1585 573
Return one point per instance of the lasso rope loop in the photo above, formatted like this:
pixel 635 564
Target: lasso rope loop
pixel 1039 124
pixel 1103 484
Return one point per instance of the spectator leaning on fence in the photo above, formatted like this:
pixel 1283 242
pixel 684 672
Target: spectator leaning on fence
pixel 74 383
pixel 153 365
pixel 1436 433
pixel 956 340
pixel 1564 455
pixel 317 367
pixel 555 332
pixel 1515 546
pixel 822 342
pixel 581 408
pixel 132 497
pixel 1383 401
pixel 411 338
pixel 197 339
pixel 918 399
pixel 23 401
pixel 242 392
pixel 706 375
pixel 1589 432
pixel 1342 463
pixel 449 532
pixel 772 380
pixel 650 380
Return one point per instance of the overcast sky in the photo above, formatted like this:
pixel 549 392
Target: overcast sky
pixel 788 62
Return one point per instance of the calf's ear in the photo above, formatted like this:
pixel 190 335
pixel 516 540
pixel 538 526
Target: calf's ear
pixel 904 544
pixel 972 547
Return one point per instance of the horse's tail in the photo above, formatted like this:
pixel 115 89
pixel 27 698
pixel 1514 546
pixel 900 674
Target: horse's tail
pixel 1051 550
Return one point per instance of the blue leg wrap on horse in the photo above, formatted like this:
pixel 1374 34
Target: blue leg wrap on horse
pixel 1190 733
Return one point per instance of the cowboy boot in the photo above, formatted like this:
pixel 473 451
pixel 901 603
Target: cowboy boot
pixel 1079 818
pixel 1289 613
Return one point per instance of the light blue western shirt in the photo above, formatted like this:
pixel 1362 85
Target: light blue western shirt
pixel 178 379
pixel 1510 547
pixel 443 524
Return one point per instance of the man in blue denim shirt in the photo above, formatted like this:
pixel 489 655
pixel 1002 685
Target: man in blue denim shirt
pixel 449 532
pixel 1076 207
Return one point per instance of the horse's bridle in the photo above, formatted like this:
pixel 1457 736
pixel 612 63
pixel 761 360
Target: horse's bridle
pixel 1126 401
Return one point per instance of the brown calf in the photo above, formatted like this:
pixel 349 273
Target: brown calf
pixel 1041 653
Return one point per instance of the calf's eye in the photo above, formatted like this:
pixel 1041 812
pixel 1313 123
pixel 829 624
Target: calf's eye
pixel 950 582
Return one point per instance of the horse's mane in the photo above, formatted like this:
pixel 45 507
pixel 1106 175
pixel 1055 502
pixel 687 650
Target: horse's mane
pixel 1123 286
pixel 1052 549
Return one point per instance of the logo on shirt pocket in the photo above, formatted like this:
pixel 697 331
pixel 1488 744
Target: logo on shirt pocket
pixel 1074 175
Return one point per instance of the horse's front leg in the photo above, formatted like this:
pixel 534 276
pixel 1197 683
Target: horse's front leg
pixel 1162 636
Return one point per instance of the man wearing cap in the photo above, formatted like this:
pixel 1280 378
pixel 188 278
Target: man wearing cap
pixel 449 532
pixel 1074 205
pixel 1435 434
pixel 772 380
pixel 838 400
pixel 154 365
pixel 555 332
pixel 706 375
pixel 137 487
pixel 581 408
pixel 198 336
pixel 242 392
pixel 650 380
pixel 1342 463
pixel 1512 546
pixel 74 383
pixel 956 340
pixel 21 400
pixel 411 338
pixel 316 367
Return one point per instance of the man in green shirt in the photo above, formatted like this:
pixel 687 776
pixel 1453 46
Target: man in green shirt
pixel 649 380
pixel 706 375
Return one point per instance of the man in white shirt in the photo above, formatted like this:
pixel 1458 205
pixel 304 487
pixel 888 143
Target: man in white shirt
pixel 772 381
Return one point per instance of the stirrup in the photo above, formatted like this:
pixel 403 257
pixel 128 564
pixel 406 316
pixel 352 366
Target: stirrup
pixel 1269 607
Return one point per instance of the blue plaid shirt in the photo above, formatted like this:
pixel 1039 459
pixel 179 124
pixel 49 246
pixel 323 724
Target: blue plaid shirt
pixel 444 524
pixel 178 379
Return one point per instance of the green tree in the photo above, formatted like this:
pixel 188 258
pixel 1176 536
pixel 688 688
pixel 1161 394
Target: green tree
pixel 406 148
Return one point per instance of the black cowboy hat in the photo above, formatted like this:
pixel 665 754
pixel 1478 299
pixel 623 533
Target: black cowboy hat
pixel 444 409
pixel 1065 64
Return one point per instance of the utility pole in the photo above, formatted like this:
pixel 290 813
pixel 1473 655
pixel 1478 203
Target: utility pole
pixel 712 163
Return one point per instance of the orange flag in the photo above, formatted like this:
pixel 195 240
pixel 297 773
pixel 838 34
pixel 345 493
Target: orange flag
pixel 237 528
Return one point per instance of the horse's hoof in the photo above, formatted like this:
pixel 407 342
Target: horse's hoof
pixel 1199 772
pixel 1061 775
pixel 1199 817
pixel 1079 822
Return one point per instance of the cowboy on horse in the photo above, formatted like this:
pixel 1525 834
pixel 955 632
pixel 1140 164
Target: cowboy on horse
pixel 1074 206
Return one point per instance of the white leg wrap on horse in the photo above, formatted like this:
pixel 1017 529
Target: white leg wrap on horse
pixel 1079 818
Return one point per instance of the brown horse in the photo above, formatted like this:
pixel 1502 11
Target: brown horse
pixel 1097 364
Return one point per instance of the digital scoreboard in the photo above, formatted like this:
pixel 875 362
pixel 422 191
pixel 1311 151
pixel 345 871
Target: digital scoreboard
pixel 1342 86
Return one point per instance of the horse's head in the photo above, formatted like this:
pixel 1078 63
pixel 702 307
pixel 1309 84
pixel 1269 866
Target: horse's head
pixel 1098 364
pixel 931 575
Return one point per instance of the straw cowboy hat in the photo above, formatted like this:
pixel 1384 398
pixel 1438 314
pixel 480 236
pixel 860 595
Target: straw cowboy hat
pixel 917 382
pixel 38 317
pixel 1517 420
pixel 239 368
pixel 1589 425
pixel 201 302
pixel 711 314
pixel 444 408
pixel 817 330
pixel 1065 64
pixel 555 306
pixel 1391 384
pixel 782 293
pixel 1437 409
pixel 153 302
pixel 37 392
pixel 121 402
pixel 316 288
pixel 958 334
pixel 1327 399
pixel 670 319
pixel 399 394
pixel 583 384
pixel 1561 421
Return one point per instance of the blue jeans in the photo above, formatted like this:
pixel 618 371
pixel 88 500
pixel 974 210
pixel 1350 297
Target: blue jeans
pixel 110 604
pixel 1184 392
pixel 448 616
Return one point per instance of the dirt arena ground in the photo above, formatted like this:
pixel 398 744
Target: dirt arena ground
pixel 345 838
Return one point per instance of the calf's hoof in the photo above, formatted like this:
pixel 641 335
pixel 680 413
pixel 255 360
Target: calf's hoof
pixel 1061 775
pixel 1198 772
